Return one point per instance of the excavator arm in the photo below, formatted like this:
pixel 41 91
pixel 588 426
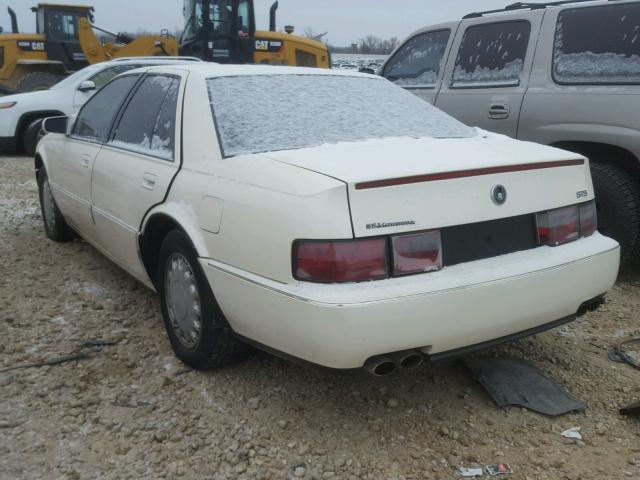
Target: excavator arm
pixel 147 46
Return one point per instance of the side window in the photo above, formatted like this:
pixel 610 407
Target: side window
pixel 106 75
pixel 148 123
pixel 492 55
pixel 419 60
pixel 97 115
pixel 598 45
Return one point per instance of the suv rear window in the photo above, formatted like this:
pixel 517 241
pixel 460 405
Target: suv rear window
pixel 417 63
pixel 492 55
pixel 598 45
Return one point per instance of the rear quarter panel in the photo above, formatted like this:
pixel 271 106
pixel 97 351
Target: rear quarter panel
pixel 552 112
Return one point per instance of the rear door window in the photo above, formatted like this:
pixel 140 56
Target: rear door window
pixel 147 125
pixel 492 55
pixel 598 45
pixel 95 119
pixel 417 63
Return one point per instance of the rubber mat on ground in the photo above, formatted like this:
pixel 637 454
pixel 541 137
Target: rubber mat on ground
pixel 512 381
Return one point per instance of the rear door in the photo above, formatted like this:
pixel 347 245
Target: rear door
pixel 487 75
pixel 135 168
pixel 73 163
pixel 417 65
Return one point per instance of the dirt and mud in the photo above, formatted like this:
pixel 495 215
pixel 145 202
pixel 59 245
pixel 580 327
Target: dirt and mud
pixel 130 410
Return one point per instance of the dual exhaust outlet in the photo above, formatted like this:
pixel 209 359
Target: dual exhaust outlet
pixel 382 365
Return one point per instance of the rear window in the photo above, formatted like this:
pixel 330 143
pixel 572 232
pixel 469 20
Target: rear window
pixel 492 55
pixel 264 113
pixel 598 45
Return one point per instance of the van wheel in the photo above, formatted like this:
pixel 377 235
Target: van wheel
pixel 197 329
pixel 32 135
pixel 55 226
pixel 618 204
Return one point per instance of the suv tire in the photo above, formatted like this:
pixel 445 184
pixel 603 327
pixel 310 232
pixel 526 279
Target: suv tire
pixel 618 203
pixel 198 331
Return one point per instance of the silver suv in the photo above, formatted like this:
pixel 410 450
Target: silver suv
pixel 565 74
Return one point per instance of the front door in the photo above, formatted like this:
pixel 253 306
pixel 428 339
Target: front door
pixel 71 179
pixel 135 167
pixel 487 78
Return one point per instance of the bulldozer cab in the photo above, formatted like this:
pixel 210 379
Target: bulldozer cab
pixel 219 30
pixel 59 24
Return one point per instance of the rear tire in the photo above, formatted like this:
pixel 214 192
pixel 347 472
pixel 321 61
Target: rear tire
pixel 55 225
pixel 36 81
pixel 618 203
pixel 199 333
pixel 32 135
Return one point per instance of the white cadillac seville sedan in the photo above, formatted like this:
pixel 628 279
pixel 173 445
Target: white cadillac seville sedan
pixel 330 217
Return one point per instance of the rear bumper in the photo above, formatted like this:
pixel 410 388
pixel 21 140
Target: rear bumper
pixel 8 144
pixel 341 326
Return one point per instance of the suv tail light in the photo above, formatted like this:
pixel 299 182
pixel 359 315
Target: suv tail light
pixel 566 224
pixel 340 261
pixel 418 253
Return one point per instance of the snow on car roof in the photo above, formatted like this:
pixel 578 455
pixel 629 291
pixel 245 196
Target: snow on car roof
pixel 210 70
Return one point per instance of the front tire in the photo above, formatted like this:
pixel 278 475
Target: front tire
pixel 197 329
pixel 32 135
pixel 618 203
pixel 55 225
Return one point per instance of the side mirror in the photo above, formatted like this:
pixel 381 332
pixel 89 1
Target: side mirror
pixel 87 86
pixel 55 125
pixel 368 70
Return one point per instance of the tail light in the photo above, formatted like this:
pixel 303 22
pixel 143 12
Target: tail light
pixel 563 225
pixel 588 219
pixel 417 253
pixel 340 261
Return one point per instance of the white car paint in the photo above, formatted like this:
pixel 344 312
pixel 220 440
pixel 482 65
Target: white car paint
pixel 244 213
pixel 66 97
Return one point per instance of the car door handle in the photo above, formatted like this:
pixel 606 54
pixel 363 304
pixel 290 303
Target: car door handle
pixel 85 160
pixel 499 111
pixel 149 181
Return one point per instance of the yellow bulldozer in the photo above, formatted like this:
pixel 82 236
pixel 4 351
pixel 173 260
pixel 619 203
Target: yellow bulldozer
pixel 222 31
pixel 64 42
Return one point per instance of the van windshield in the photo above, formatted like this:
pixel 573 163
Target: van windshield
pixel 266 113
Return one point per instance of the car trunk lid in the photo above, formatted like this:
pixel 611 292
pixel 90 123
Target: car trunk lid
pixel 404 184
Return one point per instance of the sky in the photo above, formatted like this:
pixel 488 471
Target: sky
pixel 345 20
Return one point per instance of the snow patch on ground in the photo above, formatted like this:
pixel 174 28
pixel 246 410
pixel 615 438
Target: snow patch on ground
pixel 86 288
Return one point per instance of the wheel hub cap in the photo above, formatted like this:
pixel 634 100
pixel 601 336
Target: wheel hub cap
pixel 183 300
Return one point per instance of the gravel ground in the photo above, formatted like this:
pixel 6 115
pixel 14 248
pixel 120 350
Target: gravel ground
pixel 131 411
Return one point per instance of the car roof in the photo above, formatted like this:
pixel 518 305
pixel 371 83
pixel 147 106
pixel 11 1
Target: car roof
pixel 208 70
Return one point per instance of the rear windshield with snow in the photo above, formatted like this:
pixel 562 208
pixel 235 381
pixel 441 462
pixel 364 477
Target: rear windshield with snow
pixel 265 113
pixel 598 45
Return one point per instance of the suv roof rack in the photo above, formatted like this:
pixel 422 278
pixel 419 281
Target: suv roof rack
pixel 158 57
pixel 526 6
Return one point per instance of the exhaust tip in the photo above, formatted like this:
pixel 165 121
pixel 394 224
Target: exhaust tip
pixel 384 368
pixel 380 366
pixel 412 361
